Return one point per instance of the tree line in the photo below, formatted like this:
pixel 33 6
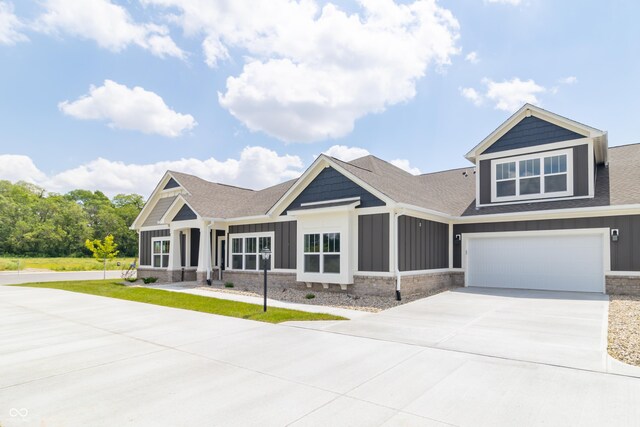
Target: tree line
pixel 36 223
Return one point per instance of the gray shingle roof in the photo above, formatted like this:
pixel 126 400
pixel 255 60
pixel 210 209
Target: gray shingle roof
pixel 451 192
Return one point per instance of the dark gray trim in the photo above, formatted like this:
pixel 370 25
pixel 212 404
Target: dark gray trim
pixel 373 242
pixel 332 185
pixel 422 244
pixel 285 235
pixel 581 174
pixel 185 213
pixel 183 249
pixel 530 132
pixel 625 253
pixel 195 246
pixel 485 182
pixel 144 250
pixel 171 184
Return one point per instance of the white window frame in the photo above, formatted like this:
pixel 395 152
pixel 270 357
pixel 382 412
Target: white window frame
pixel 162 254
pixel 542 195
pixel 243 236
pixel 322 253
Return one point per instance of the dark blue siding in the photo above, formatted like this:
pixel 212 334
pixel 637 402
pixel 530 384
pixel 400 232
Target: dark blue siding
pixel 171 184
pixel 530 132
pixel 331 185
pixel 184 214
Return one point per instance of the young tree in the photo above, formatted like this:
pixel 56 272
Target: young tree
pixel 103 251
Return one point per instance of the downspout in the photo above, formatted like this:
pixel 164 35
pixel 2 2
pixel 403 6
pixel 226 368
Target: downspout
pixel 395 257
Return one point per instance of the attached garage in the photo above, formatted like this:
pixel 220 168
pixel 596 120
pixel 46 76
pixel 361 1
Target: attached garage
pixel 559 260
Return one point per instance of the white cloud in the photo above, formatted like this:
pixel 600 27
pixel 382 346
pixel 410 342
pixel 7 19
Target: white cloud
pixel 568 80
pixel 472 57
pixel 405 165
pixel 257 167
pixel 15 167
pixel 108 24
pixel 511 2
pixel 10 25
pixel 346 154
pixel 311 71
pixel 472 95
pixel 508 95
pixel 133 109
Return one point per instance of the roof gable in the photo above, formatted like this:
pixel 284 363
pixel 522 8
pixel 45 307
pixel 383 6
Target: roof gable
pixel 529 132
pixel 528 110
pixel 172 183
pixel 185 213
pixel 330 184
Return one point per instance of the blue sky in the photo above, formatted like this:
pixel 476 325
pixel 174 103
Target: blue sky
pixel 106 94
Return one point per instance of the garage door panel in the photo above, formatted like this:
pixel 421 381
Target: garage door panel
pixel 560 262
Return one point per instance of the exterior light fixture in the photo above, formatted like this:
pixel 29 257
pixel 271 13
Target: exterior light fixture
pixel 615 233
pixel 266 255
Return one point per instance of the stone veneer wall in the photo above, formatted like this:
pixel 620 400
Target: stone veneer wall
pixel 166 276
pixel 415 285
pixel 623 285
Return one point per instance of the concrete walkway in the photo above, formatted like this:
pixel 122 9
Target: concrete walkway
pixel 75 359
pixel 12 277
pixel 190 288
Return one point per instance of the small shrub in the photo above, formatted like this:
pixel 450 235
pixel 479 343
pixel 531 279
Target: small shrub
pixel 309 296
pixel 131 279
pixel 148 280
pixel 228 285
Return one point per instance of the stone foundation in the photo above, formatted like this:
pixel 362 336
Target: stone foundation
pixel 623 285
pixel 416 285
pixel 166 276
pixel 410 285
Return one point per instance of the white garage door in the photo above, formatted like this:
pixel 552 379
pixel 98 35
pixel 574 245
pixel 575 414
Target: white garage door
pixel 571 262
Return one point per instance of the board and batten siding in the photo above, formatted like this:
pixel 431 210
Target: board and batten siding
pixel 145 244
pixel 195 246
pixel 373 242
pixel 581 174
pixel 422 244
pixel 625 253
pixel 332 185
pixel 285 235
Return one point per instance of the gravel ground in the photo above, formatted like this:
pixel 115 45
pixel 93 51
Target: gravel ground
pixel 624 328
pixel 371 304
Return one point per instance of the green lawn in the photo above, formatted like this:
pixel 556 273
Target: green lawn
pixel 115 289
pixel 62 264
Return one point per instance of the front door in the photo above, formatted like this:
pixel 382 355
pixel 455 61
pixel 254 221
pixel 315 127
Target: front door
pixel 223 254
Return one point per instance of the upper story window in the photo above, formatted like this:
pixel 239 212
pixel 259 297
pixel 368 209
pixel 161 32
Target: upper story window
pixel 246 252
pixel 532 176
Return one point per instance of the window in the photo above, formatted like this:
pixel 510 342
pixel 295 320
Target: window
pixel 532 176
pixel 160 253
pixel 322 253
pixel 245 252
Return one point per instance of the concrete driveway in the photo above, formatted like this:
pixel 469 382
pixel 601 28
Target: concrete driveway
pixel 73 359
pixel 557 328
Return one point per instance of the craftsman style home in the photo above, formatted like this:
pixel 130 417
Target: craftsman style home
pixel 546 204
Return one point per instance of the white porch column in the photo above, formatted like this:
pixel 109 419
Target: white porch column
pixel 204 250
pixel 174 250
